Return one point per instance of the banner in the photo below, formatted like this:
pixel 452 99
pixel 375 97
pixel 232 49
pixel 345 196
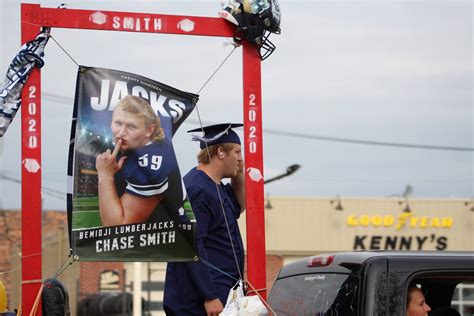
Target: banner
pixel 30 55
pixel 139 210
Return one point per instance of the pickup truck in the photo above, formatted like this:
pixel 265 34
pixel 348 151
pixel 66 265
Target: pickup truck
pixel 374 283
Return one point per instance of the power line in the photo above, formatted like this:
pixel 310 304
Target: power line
pixel 365 142
pixel 353 141
pixel 58 98
pixel 48 191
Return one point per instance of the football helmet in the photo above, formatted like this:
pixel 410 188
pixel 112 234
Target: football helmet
pixel 255 21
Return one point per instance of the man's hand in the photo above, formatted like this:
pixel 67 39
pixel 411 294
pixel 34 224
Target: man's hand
pixel 106 163
pixel 213 307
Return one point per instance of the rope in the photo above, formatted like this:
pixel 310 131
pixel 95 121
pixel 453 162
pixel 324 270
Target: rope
pixel 32 255
pixel 11 270
pixel 51 36
pixel 215 71
pixel 261 298
pixel 218 269
pixel 34 308
pixel 225 217
pixel 64 266
pixel 18 266
pixel 228 229
pixel 217 185
pixel 61 269
pixel 222 209
pixel 35 24
pixel 256 291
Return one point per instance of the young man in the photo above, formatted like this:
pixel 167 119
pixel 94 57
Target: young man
pixel 134 176
pixel 202 287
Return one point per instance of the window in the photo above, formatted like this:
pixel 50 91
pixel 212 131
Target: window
pixel 315 294
pixel 454 289
pixel 463 298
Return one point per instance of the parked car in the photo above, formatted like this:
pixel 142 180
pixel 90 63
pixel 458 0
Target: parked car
pixel 374 283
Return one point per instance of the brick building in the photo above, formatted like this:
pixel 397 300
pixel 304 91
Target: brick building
pixel 81 279
pixel 10 237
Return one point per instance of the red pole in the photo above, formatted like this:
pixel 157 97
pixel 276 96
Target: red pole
pixel 31 178
pixel 256 256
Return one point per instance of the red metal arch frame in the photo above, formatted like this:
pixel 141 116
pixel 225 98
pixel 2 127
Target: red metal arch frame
pixel 33 17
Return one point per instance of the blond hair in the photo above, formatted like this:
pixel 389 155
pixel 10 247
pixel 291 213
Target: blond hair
pixel 142 109
pixel 204 158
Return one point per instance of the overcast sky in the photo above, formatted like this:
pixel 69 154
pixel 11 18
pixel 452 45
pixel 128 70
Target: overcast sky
pixel 385 71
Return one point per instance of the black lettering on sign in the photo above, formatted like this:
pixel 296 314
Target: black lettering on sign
pixel 364 242
pixel 359 242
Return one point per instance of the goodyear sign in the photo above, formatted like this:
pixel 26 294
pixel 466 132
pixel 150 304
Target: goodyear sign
pixel 406 222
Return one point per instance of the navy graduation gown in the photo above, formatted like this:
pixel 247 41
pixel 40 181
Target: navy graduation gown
pixel 189 284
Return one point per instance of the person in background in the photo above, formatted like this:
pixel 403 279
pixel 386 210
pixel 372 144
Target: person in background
pixel 202 287
pixel 416 304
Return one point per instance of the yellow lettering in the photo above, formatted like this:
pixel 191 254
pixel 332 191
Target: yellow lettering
pixel 413 222
pixel 388 220
pixel 376 220
pixel 351 220
pixel 402 220
pixel 447 222
pixel 364 220
pixel 424 222
pixel 435 222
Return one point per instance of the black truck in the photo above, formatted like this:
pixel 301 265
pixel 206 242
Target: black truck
pixel 375 283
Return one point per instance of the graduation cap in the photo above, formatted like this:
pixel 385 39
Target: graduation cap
pixel 217 134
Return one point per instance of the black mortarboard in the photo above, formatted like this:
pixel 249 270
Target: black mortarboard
pixel 217 134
